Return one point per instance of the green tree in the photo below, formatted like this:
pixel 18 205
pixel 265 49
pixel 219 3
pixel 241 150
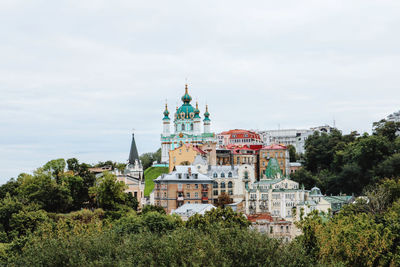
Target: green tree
pixel 221 217
pixel 42 189
pixel 108 192
pixel 223 200
pixel 388 129
pixel 292 153
pixel 55 167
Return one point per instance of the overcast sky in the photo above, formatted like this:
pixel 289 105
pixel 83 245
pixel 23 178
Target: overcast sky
pixel 77 76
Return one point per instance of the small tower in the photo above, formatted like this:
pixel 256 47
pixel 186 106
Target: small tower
pixel 197 120
pixel 207 121
pixel 166 122
pixel 166 133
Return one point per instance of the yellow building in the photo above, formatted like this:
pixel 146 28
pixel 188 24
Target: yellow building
pixel 184 155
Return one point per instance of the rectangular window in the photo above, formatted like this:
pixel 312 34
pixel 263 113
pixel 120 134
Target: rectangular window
pixel 180 186
pixel 188 195
pixel 188 186
pixel 215 192
pixel 196 195
pixel 196 186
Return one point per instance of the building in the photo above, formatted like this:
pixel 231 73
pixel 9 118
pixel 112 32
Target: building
pixel 184 185
pixel 294 167
pixel 274 227
pixel 187 128
pixel 294 137
pixel 280 153
pixel 232 180
pixel 188 210
pixel 184 155
pixel 133 175
pixel 238 137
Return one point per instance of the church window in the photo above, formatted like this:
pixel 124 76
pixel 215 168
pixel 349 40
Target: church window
pixel 230 174
pixel 191 126
pixel 246 175
pixel 215 175
pixel 230 185
pixel 222 175
pixel 223 185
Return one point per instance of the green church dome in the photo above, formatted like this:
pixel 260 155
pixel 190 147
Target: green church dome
pixel 206 114
pixel 186 98
pixel 186 111
pixel 166 113
pixel 197 111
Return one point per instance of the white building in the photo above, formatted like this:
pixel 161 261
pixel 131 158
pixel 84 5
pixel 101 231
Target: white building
pixel 294 137
pixel 187 210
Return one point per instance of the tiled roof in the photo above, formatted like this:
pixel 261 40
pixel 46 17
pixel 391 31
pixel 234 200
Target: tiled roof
pixel 275 147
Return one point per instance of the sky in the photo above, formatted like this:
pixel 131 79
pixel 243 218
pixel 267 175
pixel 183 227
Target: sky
pixel 77 77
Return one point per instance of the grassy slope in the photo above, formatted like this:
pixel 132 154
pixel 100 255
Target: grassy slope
pixel 150 174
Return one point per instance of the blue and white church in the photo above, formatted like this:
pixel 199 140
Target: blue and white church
pixel 187 128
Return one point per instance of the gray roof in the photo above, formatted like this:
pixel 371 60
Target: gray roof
pixel 223 169
pixel 133 154
pixel 183 173
pixel 192 208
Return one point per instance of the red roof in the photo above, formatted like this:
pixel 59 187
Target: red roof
pixel 240 134
pixel 275 147
pixel 260 216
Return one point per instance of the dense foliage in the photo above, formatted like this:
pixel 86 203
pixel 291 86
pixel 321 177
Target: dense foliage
pixel 62 215
pixel 351 163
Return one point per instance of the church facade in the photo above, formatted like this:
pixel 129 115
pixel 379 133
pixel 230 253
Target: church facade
pixel 186 127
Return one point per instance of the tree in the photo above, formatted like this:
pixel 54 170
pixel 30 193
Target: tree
pixel 73 165
pixel 131 201
pixel 43 190
pixel 150 208
pixel 292 153
pixel 55 167
pixel 223 199
pixel 388 129
pixel 77 191
pixel 222 217
pixel 108 193
pixel 10 187
pixel 305 177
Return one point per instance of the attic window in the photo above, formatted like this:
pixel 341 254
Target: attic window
pixel 179 176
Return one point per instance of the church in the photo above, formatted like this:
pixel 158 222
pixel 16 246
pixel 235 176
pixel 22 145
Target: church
pixel 186 129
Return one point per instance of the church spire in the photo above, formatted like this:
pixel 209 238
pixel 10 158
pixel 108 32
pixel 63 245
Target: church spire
pixel 166 112
pixel 133 154
pixel 206 114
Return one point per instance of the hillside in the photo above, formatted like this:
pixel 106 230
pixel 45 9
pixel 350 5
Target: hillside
pixel 150 174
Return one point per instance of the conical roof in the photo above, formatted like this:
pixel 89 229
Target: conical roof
pixel 273 170
pixel 133 154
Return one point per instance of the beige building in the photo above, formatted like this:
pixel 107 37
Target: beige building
pixel 273 226
pixel 184 155
pixel 184 185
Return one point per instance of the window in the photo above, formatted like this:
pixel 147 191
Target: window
pixel 230 192
pixel 188 195
pixel 222 175
pixel 215 192
pixel 180 186
pixel 230 185
pixel 264 163
pixel 191 127
pixel 183 127
pixel 215 175
pixel 188 186
pixel 135 195
pixel 179 175
pixel 196 195
pixel 246 175
pixel 215 185
pixel 222 184
pixel 230 174
pixel 196 186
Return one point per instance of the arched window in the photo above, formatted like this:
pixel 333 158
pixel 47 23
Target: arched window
pixel 230 174
pixel 191 126
pixel 183 127
pixel 215 185
pixel 215 175
pixel 230 185
pixel 222 184
pixel 222 175
pixel 246 175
